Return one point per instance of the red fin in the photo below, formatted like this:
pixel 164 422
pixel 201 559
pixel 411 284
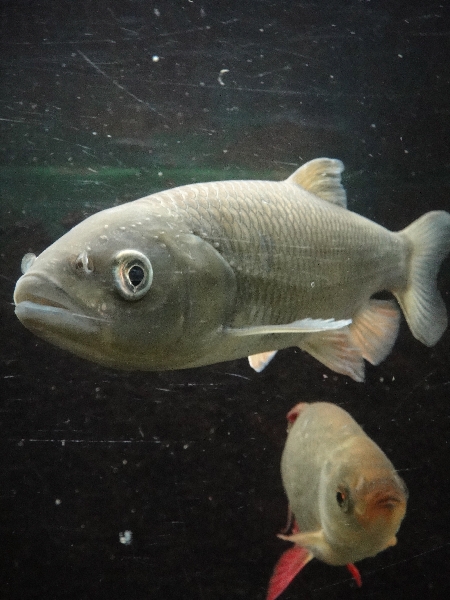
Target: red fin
pixel 295 411
pixel 291 562
pixel 354 572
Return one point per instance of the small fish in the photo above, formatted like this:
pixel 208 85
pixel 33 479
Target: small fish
pixel 344 493
pixel 210 272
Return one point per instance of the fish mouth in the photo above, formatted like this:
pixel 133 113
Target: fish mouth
pixel 49 316
pixel 384 498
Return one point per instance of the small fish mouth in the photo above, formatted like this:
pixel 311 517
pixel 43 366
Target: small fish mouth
pixel 387 501
pixel 383 499
pixel 43 302
pixel 50 317
pixel 46 319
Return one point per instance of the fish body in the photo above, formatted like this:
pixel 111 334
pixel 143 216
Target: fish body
pixel 210 272
pixel 344 493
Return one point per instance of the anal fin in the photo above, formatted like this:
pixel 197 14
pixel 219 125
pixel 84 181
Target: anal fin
pixel 337 351
pixel 370 336
pixel 375 329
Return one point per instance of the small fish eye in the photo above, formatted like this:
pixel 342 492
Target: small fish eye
pixel 343 498
pixel 340 498
pixel 133 274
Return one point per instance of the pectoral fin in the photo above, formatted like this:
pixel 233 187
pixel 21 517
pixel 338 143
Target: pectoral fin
pixel 300 326
pixel 312 540
pixel 289 565
pixel 354 572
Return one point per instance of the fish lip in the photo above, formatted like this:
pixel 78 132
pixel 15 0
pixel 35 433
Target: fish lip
pixel 27 289
pixel 44 318
pixel 49 316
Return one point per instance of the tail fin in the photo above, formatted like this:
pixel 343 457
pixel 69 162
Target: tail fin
pixel 420 300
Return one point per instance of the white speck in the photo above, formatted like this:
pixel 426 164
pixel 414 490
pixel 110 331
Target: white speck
pixel 105 226
pixel 313 283
pixel 126 537
pixel 104 238
pixel 160 174
pixel 406 151
pixel 155 58
pixel 381 379
pixel 186 446
pixel 202 84
pixel 373 126
pixel 222 72
pixel 94 133
pixel 156 12
pixel 400 55
pixel 57 501
pixel 103 306
pixel 63 442
pixel 122 228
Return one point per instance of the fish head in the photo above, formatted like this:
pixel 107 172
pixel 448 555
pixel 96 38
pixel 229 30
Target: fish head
pixel 126 291
pixel 363 512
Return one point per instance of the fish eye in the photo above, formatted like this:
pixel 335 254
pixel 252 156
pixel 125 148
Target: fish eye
pixel 133 274
pixel 343 499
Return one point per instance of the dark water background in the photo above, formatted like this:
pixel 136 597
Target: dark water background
pixel 102 102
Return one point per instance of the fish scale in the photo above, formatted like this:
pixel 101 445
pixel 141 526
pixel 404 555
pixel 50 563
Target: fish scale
pixel 307 245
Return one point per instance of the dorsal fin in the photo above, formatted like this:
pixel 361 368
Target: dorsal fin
pixel 322 177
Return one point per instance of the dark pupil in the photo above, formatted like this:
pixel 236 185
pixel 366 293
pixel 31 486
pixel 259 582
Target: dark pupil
pixel 340 498
pixel 136 275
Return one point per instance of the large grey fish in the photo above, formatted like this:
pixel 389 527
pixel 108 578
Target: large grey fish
pixel 211 272
pixel 347 499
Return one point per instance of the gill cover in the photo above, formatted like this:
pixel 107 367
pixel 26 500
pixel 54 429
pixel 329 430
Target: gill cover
pixel 209 286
